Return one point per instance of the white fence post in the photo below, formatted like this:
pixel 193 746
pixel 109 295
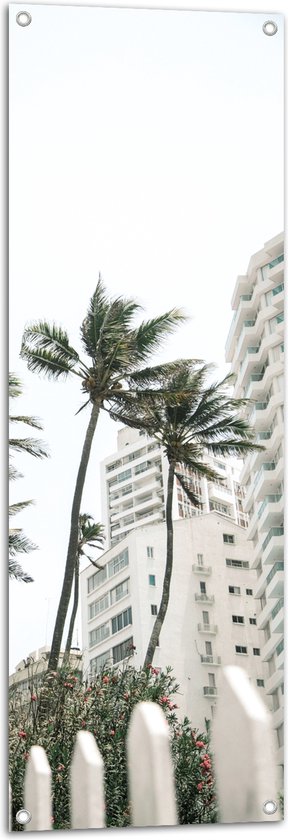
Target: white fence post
pixel 87 784
pixel 37 790
pixel 150 769
pixel 244 753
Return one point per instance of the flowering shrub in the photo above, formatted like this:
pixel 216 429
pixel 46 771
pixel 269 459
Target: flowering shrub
pixel 64 705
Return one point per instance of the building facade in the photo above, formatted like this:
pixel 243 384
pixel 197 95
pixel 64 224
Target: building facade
pixel 29 672
pixel 255 348
pixel 211 619
pixel 134 481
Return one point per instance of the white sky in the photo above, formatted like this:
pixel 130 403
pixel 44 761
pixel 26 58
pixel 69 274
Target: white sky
pixel 147 145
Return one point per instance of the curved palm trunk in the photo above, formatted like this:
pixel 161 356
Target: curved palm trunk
pixel 74 611
pixel 73 542
pixel 168 572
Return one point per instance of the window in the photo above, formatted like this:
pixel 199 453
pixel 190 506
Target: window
pixel 240 649
pixel 124 649
pixel 256 651
pixel 124 475
pixel 99 634
pixel 121 620
pixel 249 591
pixel 98 606
pixel 205 617
pixel 238 619
pixel 154 609
pixel 212 681
pixel 280 735
pixel 95 580
pixel 99 661
pixel 152 580
pixel 252 621
pixel 229 538
pixel 119 591
pixel 150 551
pixel 117 563
pixel 202 587
pixel 260 683
pixel 200 559
pixel 234 590
pixel 237 564
pixel 208 648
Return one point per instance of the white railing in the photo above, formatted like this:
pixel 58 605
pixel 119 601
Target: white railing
pixel 244 765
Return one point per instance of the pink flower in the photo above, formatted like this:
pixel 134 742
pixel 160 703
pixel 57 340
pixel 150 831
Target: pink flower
pixel 83 723
pixel 126 695
pixel 199 744
pixel 61 767
pixel 112 732
pixel 33 697
pixel 22 734
pixel 26 756
pixel 200 786
pixel 105 680
pixel 155 671
pixel 164 700
pixel 88 690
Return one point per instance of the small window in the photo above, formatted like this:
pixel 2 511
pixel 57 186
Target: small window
pixel 238 619
pixel 205 617
pixel 152 580
pixel 256 651
pixel 229 538
pixel 252 621
pixel 237 564
pixel 150 551
pixel 200 559
pixel 240 649
pixel 260 683
pixel 154 609
pixel 202 587
pixel 208 648
pixel 249 591
pixel 234 590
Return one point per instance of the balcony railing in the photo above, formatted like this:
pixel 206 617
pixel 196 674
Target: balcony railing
pixel 269 465
pixel 277 608
pixel 264 435
pixel 273 498
pixel 205 570
pixel 245 297
pixel 274 532
pixel 276 261
pixel 207 628
pixel 280 647
pixel 211 660
pixel 210 691
pixel 200 596
pixel 278 567
pixel 278 289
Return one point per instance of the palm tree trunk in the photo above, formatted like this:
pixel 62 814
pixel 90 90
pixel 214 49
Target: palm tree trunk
pixel 168 572
pixel 73 542
pixel 74 612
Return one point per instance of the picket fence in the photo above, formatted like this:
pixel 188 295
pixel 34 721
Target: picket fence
pixel 244 765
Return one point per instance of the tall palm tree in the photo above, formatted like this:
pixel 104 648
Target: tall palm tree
pixel 90 534
pixel 204 420
pixel 116 351
pixel 18 543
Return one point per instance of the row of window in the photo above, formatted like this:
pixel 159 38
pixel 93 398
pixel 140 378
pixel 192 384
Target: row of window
pixel 243 649
pixel 236 590
pixel 112 568
pixel 114 625
pixel 113 656
pixel 239 619
pixel 109 598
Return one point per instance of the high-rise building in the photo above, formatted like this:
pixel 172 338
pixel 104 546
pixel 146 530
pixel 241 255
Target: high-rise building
pixel 255 348
pixel 211 620
pixel 134 482
pixel 29 672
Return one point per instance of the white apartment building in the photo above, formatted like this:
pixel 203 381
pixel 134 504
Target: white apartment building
pixel 134 482
pixel 255 349
pixel 211 619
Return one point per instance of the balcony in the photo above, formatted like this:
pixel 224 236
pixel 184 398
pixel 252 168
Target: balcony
pixel 201 598
pixel 269 647
pixel 273 682
pixel 210 629
pixel 266 613
pixel 219 492
pixel 278 717
pixel 210 660
pixel 273 546
pixel 210 691
pixel 203 570
pixel 278 296
pixel 277 617
pixel 270 511
pixel 275 581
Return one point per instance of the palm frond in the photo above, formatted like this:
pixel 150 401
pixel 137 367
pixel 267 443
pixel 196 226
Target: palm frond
pixel 15 386
pixel 18 506
pixel 46 349
pixel 195 500
pixel 29 421
pixel 159 373
pixel 16 572
pixel 149 336
pixel 19 543
pixel 13 473
pixel 32 446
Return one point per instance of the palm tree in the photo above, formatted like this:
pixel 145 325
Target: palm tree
pixel 204 420
pixel 116 351
pixel 90 534
pixel 18 542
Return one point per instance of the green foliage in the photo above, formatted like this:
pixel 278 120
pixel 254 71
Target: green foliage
pixel 61 705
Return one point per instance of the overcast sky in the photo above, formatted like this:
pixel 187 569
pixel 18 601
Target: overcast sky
pixel 147 145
